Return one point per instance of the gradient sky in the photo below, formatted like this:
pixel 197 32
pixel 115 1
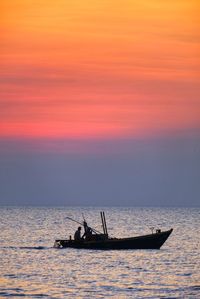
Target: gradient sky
pixel 92 78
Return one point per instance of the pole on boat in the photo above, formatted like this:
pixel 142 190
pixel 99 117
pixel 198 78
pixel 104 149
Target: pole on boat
pixel 101 213
pixel 94 230
pixel 103 219
pixel 105 223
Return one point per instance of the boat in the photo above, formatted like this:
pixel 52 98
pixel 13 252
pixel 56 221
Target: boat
pixel 96 240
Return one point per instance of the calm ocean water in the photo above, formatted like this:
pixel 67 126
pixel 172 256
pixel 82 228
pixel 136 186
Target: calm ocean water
pixel 32 268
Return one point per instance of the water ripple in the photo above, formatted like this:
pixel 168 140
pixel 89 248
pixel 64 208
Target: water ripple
pixel 30 266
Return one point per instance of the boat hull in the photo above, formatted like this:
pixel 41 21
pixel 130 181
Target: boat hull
pixel 151 241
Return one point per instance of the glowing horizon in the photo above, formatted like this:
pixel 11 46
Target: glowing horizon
pixel 98 69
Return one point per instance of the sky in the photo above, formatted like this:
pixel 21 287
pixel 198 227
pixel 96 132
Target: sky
pixel 100 102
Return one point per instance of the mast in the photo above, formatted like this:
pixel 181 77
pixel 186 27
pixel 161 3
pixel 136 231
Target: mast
pixel 103 219
pixel 105 223
pixel 101 213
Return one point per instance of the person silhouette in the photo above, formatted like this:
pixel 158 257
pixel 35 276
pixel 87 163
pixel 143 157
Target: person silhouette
pixel 77 235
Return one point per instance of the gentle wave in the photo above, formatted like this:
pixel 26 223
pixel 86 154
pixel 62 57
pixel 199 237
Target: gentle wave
pixel 39 271
pixel 27 247
pixel 16 293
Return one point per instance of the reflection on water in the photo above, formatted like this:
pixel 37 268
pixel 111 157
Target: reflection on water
pixel 31 267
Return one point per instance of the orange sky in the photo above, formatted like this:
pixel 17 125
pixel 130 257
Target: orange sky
pixel 98 69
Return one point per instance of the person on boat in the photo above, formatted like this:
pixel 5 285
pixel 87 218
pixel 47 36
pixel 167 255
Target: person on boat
pixel 77 235
pixel 88 231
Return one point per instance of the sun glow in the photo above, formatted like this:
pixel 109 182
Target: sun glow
pixel 94 69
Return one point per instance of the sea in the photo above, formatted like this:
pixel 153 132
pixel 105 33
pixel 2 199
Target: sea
pixel 30 267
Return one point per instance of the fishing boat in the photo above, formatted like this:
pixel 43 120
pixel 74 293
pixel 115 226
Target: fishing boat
pixel 98 240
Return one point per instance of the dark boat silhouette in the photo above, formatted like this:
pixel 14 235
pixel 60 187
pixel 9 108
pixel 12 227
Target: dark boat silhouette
pixel 96 240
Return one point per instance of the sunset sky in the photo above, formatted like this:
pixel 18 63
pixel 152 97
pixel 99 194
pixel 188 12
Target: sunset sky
pixel 89 71
pixel 96 69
